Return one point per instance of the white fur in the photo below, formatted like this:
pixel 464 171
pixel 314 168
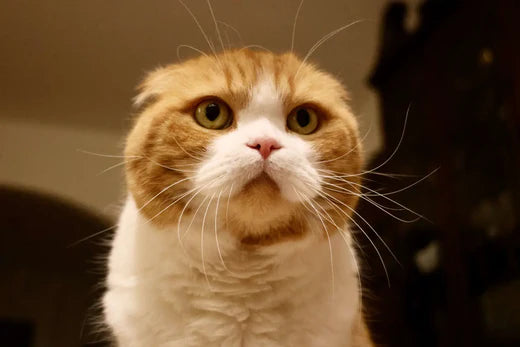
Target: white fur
pixel 231 161
pixel 192 284
pixel 159 296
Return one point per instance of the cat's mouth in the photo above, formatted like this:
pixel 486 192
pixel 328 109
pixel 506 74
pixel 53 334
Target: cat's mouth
pixel 274 182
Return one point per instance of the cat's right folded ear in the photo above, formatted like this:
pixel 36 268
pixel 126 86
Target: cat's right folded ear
pixel 153 86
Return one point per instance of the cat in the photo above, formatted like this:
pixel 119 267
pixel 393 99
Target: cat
pixel 232 233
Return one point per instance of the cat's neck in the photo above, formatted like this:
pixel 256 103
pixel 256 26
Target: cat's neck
pixel 260 295
pixel 217 256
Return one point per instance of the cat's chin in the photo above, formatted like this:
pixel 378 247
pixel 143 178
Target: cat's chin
pixel 262 184
pixel 261 201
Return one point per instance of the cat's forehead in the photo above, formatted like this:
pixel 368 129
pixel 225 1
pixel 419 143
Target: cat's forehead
pixel 265 100
pixel 242 78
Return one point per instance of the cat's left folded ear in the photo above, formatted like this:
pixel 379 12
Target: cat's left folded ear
pixel 154 85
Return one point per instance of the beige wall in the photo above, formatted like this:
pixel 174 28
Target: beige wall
pixel 49 157
pixel 68 71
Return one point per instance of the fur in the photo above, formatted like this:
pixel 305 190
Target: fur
pixel 217 246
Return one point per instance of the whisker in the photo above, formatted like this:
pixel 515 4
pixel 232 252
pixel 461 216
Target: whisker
pixel 406 187
pixel 233 29
pixel 227 205
pixel 388 208
pixel 388 199
pixel 216 229
pixel 171 168
pixel 356 265
pixel 228 40
pixel 388 174
pixel 343 190
pixel 132 157
pixel 162 191
pixel 116 165
pixel 384 174
pixel 197 164
pixel 184 150
pixel 75 243
pixel 190 47
pixel 294 25
pixel 323 40
pixel 398 144
pixel 311 211
pixel 216 233
pixel 177 199
pixel 328 237
pixel 352 149
pixel 216 25
pixel 194 215
pixel 199 26
pixel 345 241
pixel 258 46
pixel 364 220
pixel 202 242
pixel 363 232
pixel 367 199
pixel 184 209
pixel 330 252
pixel 107 155
pixel 332 174
pixel 376 204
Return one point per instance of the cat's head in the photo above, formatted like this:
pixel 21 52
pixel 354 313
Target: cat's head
pixel 257 133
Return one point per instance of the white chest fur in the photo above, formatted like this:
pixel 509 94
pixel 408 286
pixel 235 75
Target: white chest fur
pixel 158 293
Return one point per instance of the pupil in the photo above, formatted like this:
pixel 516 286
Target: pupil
pixel 212 111
pixel 303 118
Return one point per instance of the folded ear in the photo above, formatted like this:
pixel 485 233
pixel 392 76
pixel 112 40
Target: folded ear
pixel 155 84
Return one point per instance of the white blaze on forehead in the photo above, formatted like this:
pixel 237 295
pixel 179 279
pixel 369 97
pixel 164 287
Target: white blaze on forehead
pixel 265 102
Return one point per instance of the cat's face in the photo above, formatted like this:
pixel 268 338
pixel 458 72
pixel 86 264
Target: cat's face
pixel 252 131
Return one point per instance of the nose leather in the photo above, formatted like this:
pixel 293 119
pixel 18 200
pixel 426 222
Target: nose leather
pixel 264 145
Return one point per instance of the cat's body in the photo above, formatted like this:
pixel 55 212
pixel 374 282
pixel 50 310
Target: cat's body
pixel 223 242
pixel 281 297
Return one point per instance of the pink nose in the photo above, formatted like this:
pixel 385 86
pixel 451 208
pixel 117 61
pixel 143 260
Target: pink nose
pixel 264 145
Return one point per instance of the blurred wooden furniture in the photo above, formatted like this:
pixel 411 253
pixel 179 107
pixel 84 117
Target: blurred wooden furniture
pixel 459 72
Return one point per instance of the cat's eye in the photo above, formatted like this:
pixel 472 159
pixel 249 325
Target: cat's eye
pixel 303 120
pixel 213 114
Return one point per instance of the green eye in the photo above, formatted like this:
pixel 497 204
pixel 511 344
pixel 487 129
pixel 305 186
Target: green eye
pixel 213 114
pixel 303 120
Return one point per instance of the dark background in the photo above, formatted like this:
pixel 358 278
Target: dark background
pixel 457 282
pixel 460 72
